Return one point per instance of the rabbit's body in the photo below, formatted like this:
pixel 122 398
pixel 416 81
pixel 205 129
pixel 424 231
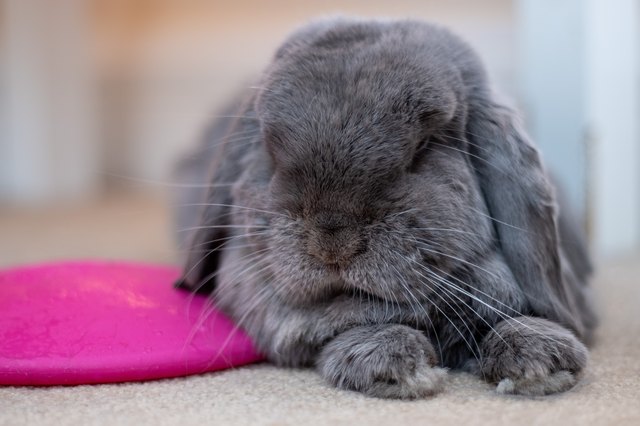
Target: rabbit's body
pixel 375 213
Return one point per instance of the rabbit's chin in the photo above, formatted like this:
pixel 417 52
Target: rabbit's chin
pixel 309 283
pixel 306 284
pixel 387 281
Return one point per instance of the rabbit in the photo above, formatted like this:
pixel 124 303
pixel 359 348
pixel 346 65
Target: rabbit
pixel 375 213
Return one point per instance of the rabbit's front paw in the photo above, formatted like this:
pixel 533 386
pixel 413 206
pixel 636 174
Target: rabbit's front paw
pixel 532 356
pixel 386 361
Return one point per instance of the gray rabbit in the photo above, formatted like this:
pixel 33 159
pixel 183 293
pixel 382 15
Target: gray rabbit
pixel 375 213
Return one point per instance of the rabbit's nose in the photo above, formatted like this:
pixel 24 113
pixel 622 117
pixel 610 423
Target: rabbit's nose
pixel 336 247
pixel 329 259
pixel 332 258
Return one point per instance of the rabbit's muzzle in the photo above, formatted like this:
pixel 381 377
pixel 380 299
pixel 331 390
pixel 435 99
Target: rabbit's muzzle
pixel 334 240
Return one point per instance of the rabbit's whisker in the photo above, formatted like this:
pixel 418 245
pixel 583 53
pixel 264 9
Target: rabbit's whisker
pixel 393 215
pixel 466 141
pixel 251 132
pixel 456 311
pixel 209 277
pixel 245 272
pixel 235 139
pixel 208 253
pixel 232 205
pixel 481 292
pixel 259 298
pixel 425 247
pixel 213 250
pixel 252 255
pixel 214 143
pixel 444 281
pixel 245 235
pixel 403 282
pixel 395 303
pixel 426 282
pixel 491 307
pixel 469 325
pixel 501 313
pixel 196 228
pixel 466 153
pixel 459 231
pixel 421 306
pixel 446 302
pixel 262 89
pixel 243 117
pixel 498 221
pixel 204 314
pixel 164 183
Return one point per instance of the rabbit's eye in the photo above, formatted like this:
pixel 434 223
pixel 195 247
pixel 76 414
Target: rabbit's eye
pixel 418 155
pixel 422 145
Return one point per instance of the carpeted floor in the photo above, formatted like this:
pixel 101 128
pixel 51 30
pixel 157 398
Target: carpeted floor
pixel 133 228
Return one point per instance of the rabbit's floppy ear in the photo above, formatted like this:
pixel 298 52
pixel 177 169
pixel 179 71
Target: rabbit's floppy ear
pixel 207 238
pixel 212 231
pixel 522 206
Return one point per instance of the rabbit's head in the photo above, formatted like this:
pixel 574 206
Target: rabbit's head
pixel 379 149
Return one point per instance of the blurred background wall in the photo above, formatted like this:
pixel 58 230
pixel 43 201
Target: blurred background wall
pixel 101 94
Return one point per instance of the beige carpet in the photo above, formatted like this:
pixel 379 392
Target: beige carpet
pixel 134 228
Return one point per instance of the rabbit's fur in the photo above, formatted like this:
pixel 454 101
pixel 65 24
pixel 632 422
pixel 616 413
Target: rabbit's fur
pixel 375 213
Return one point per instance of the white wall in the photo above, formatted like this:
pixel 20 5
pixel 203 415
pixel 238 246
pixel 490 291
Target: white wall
pixel 613 102
pixel 49 148
pixel 552 81
pixel 581 91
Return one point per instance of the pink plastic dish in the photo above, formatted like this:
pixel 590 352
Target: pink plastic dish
pixel 104 322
